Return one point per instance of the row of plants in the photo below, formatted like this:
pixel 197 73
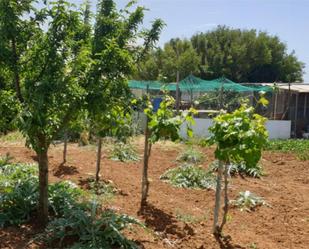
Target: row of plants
pixel 300 147
pixel 77 218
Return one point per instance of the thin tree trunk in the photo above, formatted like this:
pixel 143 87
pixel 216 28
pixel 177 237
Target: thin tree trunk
pixel 65 146
pixel 216 228
pixel 145 181
pixel 43 187
pixel 99 154
pixel 226 199
pixel 15 70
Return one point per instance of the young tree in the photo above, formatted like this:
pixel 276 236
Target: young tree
pixel 114 54
pixel 240 137
pixel 162 124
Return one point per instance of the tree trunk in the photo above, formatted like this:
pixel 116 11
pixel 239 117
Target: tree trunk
pixel 216 228
pixel 145 181
pixel 43 188
pixel 99 154
pixel 65 146
pixel 226 199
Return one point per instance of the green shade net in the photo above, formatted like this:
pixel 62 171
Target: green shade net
pixel 195 84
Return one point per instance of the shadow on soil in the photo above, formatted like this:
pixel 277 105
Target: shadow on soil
pixel 163 222
pixel 225 242
pixel 65 170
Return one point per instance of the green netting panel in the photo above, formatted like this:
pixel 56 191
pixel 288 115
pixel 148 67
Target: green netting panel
pixel 195 84
pixel 192 83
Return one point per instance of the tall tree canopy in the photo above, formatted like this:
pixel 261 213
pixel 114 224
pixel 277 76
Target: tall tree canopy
pixel 240 55
pixel 176 56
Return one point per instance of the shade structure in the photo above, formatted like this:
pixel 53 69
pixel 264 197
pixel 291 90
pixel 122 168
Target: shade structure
pixel 195 84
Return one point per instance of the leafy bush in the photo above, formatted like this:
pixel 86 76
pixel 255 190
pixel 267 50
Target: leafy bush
pixel 124 152
pixel 247 201
pixel 94 227
pixel 298 146
pixel 191 156
pixel 62 196
pixel 240 168
pixel 18 193
pixel 189 176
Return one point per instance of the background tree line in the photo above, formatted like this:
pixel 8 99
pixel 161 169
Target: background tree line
pixel 240 55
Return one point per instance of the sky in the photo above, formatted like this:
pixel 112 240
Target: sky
pixel 288 19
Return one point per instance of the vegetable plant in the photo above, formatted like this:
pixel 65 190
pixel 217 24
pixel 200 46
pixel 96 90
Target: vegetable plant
pixel 191 155
pixel 247 201
pixel 124 152
pixel 189 176
pixel 92 226
pixel 240 137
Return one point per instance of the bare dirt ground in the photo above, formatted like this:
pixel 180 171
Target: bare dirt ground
pixel 285 224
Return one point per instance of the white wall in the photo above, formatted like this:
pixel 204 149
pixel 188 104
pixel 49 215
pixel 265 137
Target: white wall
pixel 277 129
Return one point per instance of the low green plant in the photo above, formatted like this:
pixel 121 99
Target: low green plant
pixel 248 201
pixel 7 159
pixel 189 176
pixel 124 152
pixel 18 193
pixel 300 147
pixel 12 137
pixel 189 218
pixel 191 155
pixel 106 190
pixel 240 168
pixel 93 226
pixel 63 195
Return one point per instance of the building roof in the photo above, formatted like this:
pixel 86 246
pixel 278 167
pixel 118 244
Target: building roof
pixel 295 87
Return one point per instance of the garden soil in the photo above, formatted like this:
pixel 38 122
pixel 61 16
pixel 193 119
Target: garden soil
pixel 182 218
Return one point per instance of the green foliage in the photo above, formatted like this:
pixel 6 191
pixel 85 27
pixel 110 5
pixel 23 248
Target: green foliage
pixel 298 146
pixel 189 176
pixel 94 227
pixel 18 193
pixel 190 219
pixel 191 156
pixel 163 124
pixel 239 168
pixel 245 56
pixel 240 136
pixel 177 55
pixel 220 99
pixel 124 152
pixel 12 137
pixel 102 188
pixel 5 160
pixel 63 196
pixel 9 110
pixel 248 201
pixel 240 55
pixel 19 190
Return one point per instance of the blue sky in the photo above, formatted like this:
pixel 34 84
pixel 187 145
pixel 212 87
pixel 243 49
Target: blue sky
pixel 288 19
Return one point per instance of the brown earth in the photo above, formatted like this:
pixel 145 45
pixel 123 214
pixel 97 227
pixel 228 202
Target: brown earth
pixel 285 187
